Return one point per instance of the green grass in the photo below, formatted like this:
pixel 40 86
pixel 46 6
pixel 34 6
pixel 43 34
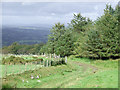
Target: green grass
pixel 47 74
pixel 89 74
pixel 103 79
pixel 14 69
pixel 99 63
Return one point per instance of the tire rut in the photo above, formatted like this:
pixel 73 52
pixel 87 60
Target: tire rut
pixel 86 66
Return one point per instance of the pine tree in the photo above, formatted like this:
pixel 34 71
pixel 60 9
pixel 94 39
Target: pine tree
pixel 103 41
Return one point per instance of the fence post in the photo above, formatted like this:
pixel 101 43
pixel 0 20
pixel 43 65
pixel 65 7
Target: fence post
pixel 54 55
pixel 43 63
pixel 58 59
pixel 50 55
pixel 50 63
pixel 65 59
pixel 44 54
pixel 40 63
pixel 47 63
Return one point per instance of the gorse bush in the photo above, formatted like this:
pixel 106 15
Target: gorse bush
pixel 55 63
pixel 18 60
pixel 12 60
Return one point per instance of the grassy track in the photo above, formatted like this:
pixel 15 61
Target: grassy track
pixel 78 73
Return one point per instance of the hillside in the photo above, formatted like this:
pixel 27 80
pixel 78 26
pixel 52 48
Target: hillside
pixel 24 34
pixel 77 73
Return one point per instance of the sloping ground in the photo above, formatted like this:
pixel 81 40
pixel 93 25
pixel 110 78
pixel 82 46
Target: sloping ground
pixel 24 36
pixel 75 74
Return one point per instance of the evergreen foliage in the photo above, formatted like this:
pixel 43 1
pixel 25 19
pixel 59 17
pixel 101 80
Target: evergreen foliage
pixel 83 38
pixel 102 41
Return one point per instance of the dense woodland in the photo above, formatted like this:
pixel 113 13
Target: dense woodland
pixel 99 39
pixel 17 48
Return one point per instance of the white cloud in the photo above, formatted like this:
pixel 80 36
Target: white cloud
pixel 27 3
pixel 92 16
pixel 59 0
pixel 49 13
pixel 29 20
pixel 96 7
pixel 53 14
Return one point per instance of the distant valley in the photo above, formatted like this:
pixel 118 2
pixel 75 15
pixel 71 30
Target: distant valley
pixel 25 34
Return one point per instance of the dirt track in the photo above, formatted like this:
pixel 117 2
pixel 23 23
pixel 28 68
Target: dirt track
pixel 86 66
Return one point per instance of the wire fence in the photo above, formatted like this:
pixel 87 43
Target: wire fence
pixel 48 60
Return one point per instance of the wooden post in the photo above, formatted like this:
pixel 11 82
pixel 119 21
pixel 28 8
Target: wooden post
pixel 65 59
pixel 40 62
pixel 50 63
pixel 43 63
pixel 58 59
pixel 47 63
pixel 54 55
pixel 59 56
pixel 50 60
pixel 44 54
pixel 50 55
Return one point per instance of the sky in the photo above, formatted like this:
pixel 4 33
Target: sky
pixel 49 13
